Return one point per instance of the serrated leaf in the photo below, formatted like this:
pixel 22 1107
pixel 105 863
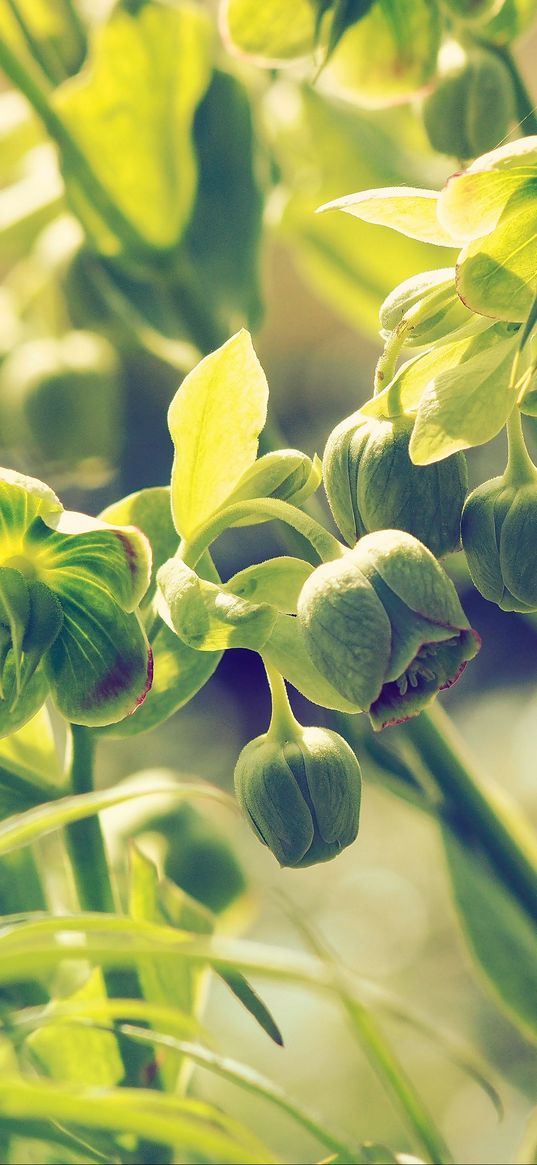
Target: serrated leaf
pixel 465 406
pixel 502 937
pixel 215 419
pixel 272 32
pixel 407 209
pixel 208 617
pixel 130 112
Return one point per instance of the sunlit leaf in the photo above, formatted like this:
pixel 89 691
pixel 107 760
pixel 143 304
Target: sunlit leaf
pixel 390 55
pixel 85 1057
pixel 208 617
pixel 501 935
pixel 277 581
pixel 471 204
pixel 271 32
pixel 31 752
pixel 215 420
pixel 407 209
pixel 497 275
pixel 463 407
pixel 130 111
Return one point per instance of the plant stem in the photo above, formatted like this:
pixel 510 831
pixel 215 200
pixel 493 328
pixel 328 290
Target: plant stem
pixel 327 546
pixel 283 726
pixel 484 812
pixel 520 468
pixel 84 838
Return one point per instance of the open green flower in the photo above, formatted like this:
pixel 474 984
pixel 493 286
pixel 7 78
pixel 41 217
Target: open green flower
pixel 384 625
pixel 69 588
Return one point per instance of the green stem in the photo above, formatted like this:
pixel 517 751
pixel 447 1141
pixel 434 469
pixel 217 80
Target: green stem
pixel 520 468
pixel 26 78
pixel 385 369
pixel 283 725
pixel 324 543
pixel 486 814
pixel 84 838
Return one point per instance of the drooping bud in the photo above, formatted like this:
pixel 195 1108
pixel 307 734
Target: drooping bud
pixel 302 795
pixel 431 296
pixel 471 108
pixel 372 484
pixel 384 625
pixel 499 535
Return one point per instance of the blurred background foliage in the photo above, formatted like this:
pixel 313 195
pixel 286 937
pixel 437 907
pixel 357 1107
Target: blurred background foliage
pixel 96 331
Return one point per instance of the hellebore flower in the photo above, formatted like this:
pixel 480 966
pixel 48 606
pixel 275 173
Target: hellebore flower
pixel 69 586
pixel 384 625
pixel 499 537
pixel 372 484
pixel 301 796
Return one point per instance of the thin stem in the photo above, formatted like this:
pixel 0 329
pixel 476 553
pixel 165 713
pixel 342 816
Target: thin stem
pixel 323 542
pixel 38 50
pixel 84 838
pixel 385 369
pixel 489 817
pixel 25 77
pixel 520 468
pixel 283 725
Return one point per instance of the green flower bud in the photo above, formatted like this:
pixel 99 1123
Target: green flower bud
pixel 471 108
pixel 384 625
pixel 372 484
pixel 302 795
pixel 499 537
pixel 62 397
pixel 434 294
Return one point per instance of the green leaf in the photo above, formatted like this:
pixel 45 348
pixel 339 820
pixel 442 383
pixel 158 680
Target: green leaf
pixel 208 617
pixel 15 713
pixel 472 204
pixel 278 581
pixel 85 1056
pixel 222 240
pixel 271 32
pixel 407 209
pixel 497 275
pixel 197 1128
pixel 527 1150
pixel 215 419
pixel 25 828
pixel 31 752
pixel 465 406
pixel 502 938
pixel 287 652
pixel 130 111
pixel 390 55
pixel 253 1004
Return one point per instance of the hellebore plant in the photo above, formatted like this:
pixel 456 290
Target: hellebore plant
pixel 69 588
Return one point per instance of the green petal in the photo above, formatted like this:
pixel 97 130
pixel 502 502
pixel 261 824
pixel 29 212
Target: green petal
pixel 116 559
pixel 14 715
pixel 100 666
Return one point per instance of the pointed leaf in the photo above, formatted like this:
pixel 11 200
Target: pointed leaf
pixel 215 420
pixel 253 1003
pixel 464 407
pixel 407 209
pixel 130 112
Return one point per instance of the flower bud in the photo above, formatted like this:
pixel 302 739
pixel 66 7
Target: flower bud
pixel 372 484
pixel 499 536
pixel 471 108
pixel 384 625
pixel 301 796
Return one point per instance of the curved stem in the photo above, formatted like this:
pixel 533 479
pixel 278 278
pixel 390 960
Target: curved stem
pixel 385 369
pixel 520 468
pixel 84 838
pixel 326 545
pixel 283 725
pixel 488 816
